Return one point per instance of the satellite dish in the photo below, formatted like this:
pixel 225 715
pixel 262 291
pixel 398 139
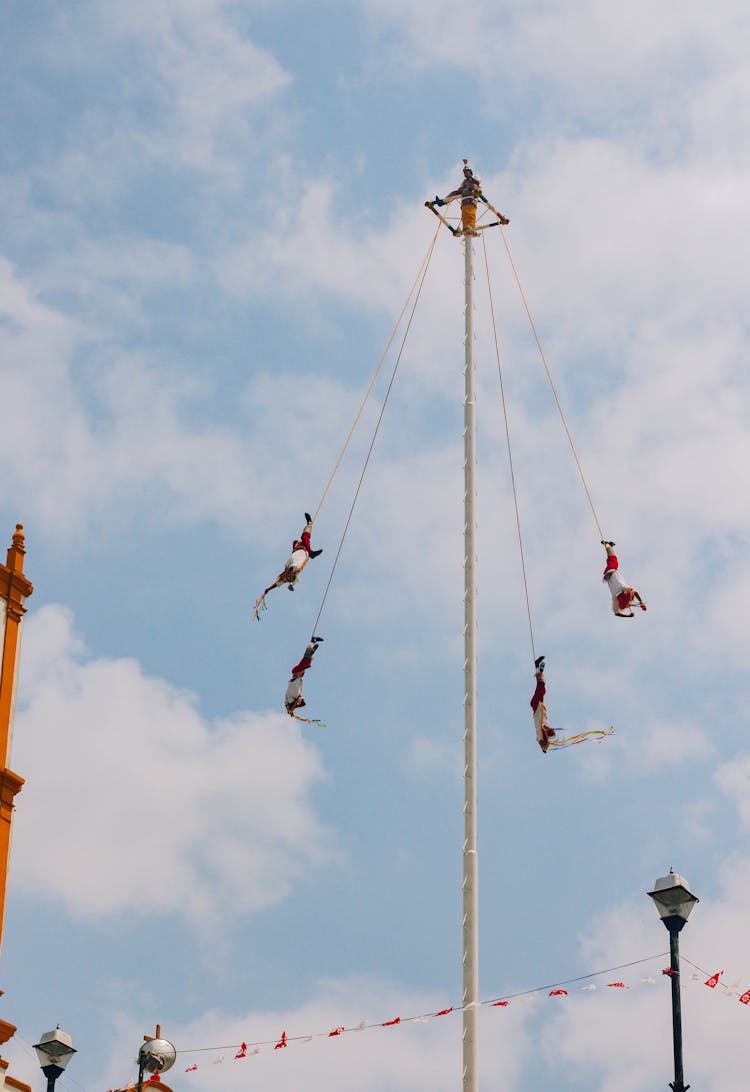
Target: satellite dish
pixel 157 1054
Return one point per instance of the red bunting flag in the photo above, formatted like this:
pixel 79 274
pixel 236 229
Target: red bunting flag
pixel 499 1004
pixel 745 999
pixel 669 971
pixel 390 1023
pixel 713 980
pixel 282 1041
pixel 242 1052
pixel 618 985
pixel 336 1031
pixel 191 1068
pixel 443 1012
pixel 558 993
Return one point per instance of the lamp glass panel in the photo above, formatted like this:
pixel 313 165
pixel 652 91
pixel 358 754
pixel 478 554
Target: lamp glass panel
pixel 673 898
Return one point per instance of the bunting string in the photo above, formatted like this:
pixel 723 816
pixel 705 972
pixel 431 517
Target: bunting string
pixel 698 976
pixel 582 983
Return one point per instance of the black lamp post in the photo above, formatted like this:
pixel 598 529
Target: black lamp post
pixel 674 900
pixel 54 1050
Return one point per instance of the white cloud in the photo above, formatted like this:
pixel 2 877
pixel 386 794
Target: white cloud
pixel 311 248
pixel 186 83
pixel 433 756
pixel 82 439
pixel 208 72
pixel 214 819
pixel 698 816
pixel 591 61
pixel 649 743
pixel 733 779
pixel 112 279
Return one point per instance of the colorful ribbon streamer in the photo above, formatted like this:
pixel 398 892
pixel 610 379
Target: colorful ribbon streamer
pixel 260 604
pixel 596 734
pixel 309 720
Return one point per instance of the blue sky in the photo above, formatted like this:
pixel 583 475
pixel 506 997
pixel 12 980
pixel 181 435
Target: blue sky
pixel 212 214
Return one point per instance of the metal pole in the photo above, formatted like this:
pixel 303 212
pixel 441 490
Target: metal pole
pixel 674 962
pixel 52 1071
pixel 470 865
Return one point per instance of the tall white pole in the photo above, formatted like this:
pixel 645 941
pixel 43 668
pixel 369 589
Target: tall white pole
pixel 470 865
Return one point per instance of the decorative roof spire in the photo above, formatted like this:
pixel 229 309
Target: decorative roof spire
pixel 17 550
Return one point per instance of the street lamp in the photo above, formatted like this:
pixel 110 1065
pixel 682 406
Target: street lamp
pixel 54 1050
pixel 155 1055
pixel 674 900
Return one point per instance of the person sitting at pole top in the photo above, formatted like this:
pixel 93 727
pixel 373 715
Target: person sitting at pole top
pixel 469 191
pixel 300 555
pixel 623 596
pixel 293 697
pixel 544 730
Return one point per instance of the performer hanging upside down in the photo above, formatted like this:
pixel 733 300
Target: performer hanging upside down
pixel 623 596
pixel 544 730
pixel 293 697
pixel 300 555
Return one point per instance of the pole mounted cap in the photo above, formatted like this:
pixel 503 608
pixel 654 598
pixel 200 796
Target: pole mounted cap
pixel 55 1048
pixel 672 896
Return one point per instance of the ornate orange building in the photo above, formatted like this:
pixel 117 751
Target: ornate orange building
pixel 14 591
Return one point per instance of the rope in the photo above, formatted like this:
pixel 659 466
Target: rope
pixel 552 385
pixel 425 260
pixel 425 267
pixel 510 453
